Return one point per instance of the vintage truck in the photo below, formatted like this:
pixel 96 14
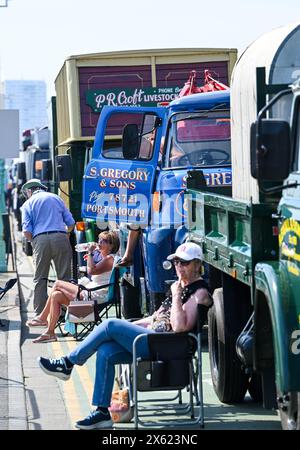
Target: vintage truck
pixel 142 182
pixel 251 242
pixel 87 84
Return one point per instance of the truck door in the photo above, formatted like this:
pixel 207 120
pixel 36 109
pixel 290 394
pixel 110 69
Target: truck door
pixel 118 181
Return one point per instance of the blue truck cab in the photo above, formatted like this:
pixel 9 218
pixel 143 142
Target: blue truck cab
pixel 140 179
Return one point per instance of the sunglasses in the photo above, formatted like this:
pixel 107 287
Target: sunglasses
pixel 176 262
pixel 104 241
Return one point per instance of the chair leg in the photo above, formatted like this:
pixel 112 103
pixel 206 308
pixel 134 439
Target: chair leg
pixel 200 380
pixel 135 390
pixel 191 391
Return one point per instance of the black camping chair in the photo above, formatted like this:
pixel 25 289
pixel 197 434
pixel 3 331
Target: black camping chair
pixel 175 363
pixel 9 284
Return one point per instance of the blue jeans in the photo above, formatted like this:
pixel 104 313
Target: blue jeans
pixel 112 340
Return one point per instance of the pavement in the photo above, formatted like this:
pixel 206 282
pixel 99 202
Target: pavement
pixel 13 413
pixel 30 403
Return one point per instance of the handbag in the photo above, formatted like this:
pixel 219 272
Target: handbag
pixel 82 311
pixel 120 409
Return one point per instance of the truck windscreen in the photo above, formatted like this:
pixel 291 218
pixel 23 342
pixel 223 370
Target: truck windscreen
pixel 196 140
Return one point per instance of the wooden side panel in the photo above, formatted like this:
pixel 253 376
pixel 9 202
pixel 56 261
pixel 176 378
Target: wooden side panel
pixel 62 106
pixel 108 78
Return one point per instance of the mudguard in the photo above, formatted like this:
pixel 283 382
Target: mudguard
pixel 273 280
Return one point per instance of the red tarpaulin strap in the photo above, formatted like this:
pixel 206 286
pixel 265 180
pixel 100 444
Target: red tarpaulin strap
pixel 210 84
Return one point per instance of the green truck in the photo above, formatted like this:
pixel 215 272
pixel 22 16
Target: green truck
pixel 251 242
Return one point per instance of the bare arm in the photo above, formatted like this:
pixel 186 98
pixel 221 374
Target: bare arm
pixel 184 317
pixel 145 322
pixel 70 228
pixel 105 265
pixel 28 235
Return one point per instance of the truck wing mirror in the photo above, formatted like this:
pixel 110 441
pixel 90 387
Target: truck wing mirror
pixel 270 149
pixel 63 168
pixel 47 169
pixel 130 141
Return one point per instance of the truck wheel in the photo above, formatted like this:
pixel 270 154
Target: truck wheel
pixel 255 388
pixel 229 381
pixel 289 410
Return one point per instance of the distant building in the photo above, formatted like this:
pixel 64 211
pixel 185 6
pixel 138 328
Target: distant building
pixel 30 98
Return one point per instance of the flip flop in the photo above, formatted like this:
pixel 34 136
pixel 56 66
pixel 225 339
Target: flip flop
pixel 44 338
pixel 35 322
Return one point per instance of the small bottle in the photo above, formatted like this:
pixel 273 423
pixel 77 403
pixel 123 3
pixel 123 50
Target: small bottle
pixel 83 247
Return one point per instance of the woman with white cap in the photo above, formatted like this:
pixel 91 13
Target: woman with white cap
pixel 113 338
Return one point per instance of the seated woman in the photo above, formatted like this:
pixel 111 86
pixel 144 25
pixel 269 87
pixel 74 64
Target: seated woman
pixel 113 338
pixel 63 291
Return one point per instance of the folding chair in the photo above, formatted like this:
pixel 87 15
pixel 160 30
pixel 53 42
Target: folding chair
pixel 61 320
pixel 9 284
pixel 102 309
pixel 175 363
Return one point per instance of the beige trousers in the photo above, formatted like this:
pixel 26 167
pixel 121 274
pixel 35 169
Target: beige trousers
pixel 46 248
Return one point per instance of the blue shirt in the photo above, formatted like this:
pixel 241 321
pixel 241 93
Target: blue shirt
pixel 45 211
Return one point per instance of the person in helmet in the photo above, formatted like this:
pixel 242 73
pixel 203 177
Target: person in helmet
pixel 46 223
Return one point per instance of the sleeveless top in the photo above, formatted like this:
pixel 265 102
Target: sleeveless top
pixel 97 280
pixel 161 318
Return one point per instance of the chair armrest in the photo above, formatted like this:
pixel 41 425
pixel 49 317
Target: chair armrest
pixel 96 288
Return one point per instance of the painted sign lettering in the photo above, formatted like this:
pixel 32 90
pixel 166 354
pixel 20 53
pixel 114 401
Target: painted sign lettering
pixel 289 242
pixel 96 99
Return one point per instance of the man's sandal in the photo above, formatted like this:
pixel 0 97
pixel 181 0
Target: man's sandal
pixel 36 322
pixel 44 338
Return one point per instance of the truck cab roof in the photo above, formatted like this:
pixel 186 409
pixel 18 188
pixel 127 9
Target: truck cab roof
pixel 207 100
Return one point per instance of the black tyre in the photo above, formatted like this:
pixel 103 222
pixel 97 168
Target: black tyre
pixel 255 388
pixel 289 410
pixel 229 381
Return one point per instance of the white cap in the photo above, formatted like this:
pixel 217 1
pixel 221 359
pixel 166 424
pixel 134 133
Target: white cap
pixel 187 252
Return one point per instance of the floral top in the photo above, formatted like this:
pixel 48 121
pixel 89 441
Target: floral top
pixel 161 318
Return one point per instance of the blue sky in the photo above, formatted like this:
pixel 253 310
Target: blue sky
pixel 37 35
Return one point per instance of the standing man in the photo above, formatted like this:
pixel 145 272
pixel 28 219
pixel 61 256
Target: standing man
pixel 46 223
